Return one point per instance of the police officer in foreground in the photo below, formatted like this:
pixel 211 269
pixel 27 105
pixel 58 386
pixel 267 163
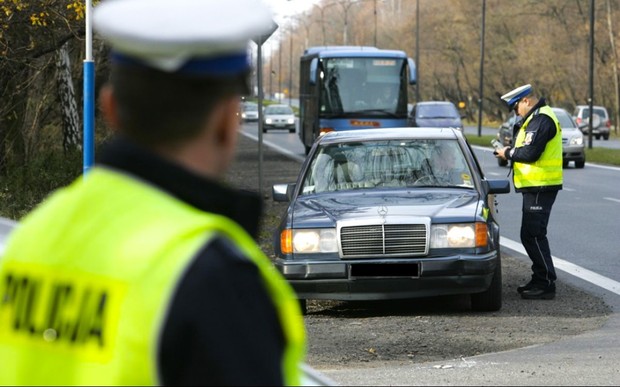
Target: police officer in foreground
pixel 146 271
pixel 537 174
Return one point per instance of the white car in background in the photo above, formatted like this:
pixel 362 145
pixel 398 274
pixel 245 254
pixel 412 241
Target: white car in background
pixel 278 117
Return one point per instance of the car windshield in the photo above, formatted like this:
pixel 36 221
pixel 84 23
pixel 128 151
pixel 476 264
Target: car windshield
pixel 437 111
pixel 389 163
pixel 566 122
pixel 250 108
pixel 278 110
pixel 598 111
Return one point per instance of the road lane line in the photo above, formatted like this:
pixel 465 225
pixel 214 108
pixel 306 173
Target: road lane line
pixel 613 200
pixel 278 148
pixel 570 268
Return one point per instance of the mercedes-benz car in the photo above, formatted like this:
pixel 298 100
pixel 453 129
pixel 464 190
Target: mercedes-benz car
pixel 391 214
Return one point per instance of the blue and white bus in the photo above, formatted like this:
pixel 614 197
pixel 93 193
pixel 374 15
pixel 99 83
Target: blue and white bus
pixel 352 87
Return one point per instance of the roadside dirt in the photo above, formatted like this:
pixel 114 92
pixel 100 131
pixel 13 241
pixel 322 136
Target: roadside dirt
pixel 347 334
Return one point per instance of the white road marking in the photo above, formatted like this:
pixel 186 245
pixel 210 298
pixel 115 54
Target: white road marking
pixel 571 268
pixel 278 148
pixel 613 200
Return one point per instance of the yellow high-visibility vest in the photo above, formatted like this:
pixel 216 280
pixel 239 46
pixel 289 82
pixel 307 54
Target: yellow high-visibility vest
pixel 87 279
pixel 547 170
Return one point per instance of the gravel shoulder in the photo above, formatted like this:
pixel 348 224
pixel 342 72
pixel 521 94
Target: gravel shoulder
pixel 354 334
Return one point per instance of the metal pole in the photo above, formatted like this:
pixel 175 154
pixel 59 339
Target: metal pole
pixel 375 23
pixel 484 4
pixel 89 95
pixel 290 70
pixel 417 50
pixel 280 71
pixel 591 99
pixel 259 85
pixel 270 71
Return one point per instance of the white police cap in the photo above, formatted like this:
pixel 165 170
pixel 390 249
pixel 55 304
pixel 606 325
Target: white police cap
pixel 202 37
pixel 512 97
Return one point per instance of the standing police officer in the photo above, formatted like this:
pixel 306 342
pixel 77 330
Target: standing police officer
pixel 146 271
pixel 537 166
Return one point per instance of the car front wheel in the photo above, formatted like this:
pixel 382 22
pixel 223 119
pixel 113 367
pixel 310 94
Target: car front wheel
pixel 491 299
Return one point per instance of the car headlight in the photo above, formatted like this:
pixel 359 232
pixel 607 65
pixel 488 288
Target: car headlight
pixel 291 120
pixel 459 235
pixel 576 140
pixel 243 115
pixel 308 241
pixel 268 120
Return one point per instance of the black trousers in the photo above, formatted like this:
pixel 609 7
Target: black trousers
pixel 536 211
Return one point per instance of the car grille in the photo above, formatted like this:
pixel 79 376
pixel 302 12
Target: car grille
pixel 383 240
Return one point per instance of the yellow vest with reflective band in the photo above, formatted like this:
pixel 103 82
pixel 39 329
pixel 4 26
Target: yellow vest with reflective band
pixel 547 170
pixel 87 278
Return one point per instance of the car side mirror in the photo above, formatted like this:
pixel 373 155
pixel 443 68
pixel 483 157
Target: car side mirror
pixel 497 186
pixel 282 192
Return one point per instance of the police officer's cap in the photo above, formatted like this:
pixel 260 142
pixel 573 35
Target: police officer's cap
pixel 514 96
pixel 198 37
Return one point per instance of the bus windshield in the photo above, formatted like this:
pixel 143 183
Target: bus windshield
pixel 368 86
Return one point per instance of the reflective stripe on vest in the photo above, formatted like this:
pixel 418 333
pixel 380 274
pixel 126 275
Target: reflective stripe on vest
pixel 85 304
pixel 547 170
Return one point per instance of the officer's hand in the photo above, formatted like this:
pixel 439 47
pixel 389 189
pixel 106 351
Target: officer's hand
pixel 501 153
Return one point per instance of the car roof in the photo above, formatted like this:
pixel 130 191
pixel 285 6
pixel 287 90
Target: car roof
pixel 404 133
pixel 434 103
pixel 278 105
pixel 556 109
pixel 587 106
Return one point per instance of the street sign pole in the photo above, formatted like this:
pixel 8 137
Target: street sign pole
pixel 259 82
pixel 89 95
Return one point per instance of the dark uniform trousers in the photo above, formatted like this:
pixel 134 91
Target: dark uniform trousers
pixel 536 211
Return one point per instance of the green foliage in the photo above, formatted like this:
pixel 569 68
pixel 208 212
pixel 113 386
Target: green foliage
pixel 23 187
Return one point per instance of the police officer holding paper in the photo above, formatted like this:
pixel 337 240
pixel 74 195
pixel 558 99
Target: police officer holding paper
pixel 146 271
pixel 537 173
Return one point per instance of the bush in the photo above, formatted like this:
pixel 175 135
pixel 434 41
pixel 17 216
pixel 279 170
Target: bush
pixel 24 187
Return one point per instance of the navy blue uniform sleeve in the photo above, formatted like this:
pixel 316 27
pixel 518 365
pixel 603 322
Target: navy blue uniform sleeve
pixel 540 130
pixel 222 327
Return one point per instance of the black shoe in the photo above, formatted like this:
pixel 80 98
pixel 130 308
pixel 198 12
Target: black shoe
pixel 527 286
pixel 539 292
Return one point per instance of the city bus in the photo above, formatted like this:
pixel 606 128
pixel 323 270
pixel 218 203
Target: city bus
pixel 352 87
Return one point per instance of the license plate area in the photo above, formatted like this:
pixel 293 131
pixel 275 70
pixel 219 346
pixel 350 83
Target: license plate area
pixel 382 270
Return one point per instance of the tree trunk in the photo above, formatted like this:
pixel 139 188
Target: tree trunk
pixel 614 65
pixel 71 135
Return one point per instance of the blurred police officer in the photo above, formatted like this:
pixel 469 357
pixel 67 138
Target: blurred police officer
pixel 146 272
pixel 537 174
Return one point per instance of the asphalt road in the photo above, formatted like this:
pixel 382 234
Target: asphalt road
pixel 583 234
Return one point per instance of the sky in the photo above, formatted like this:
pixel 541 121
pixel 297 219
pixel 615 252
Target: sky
pixel 286 8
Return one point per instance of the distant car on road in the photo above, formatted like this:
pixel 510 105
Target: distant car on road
pixel 573 145
pixel 249 112
pixel 435 114
pixel 278 117
pixel 601 123
pixel 391 213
